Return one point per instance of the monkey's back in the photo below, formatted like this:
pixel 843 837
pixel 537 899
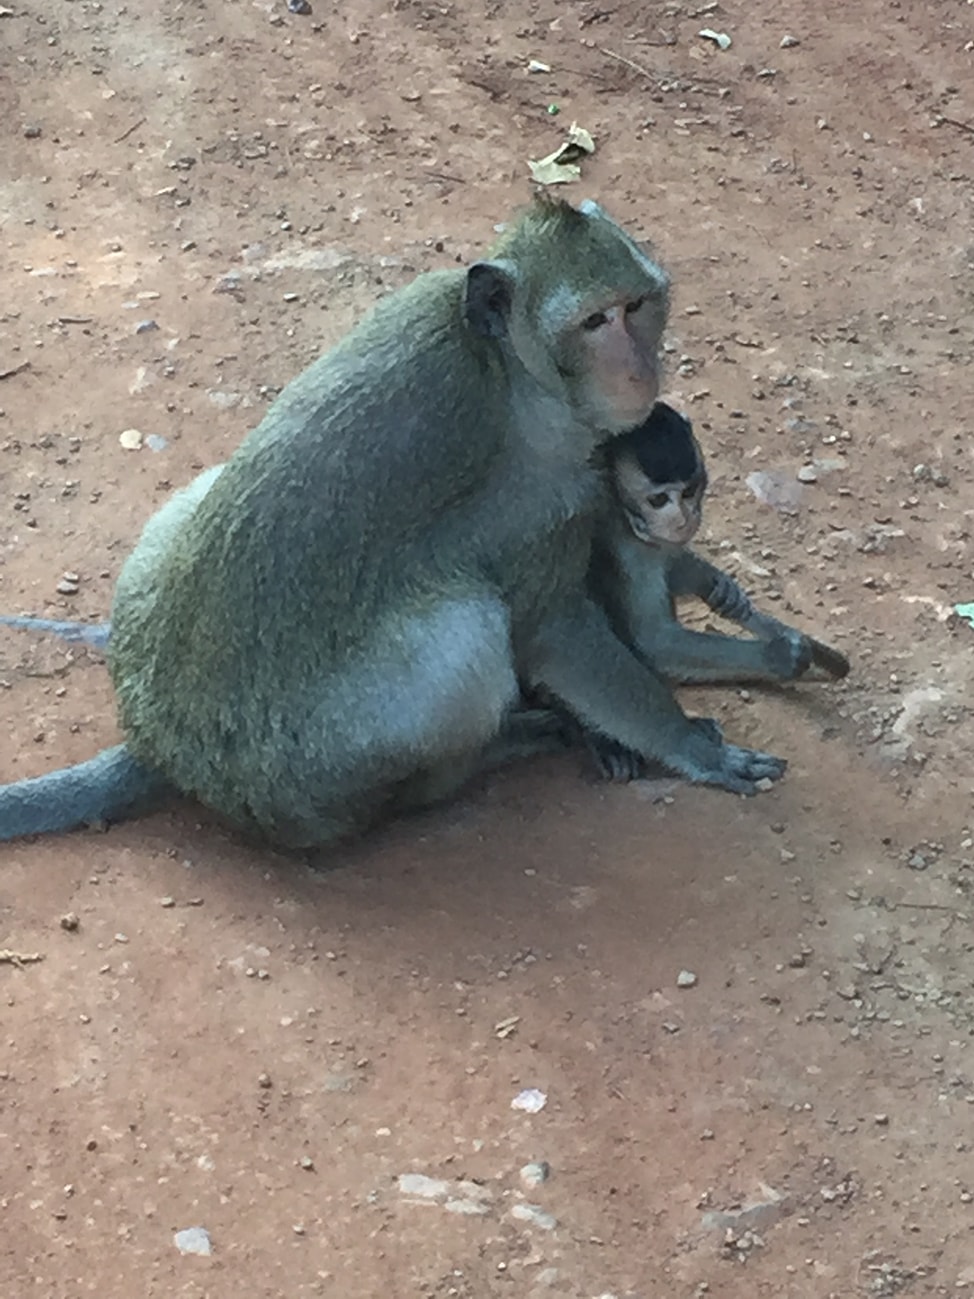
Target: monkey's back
pixel 265 605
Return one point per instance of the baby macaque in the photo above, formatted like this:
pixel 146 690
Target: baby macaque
pixel 641 565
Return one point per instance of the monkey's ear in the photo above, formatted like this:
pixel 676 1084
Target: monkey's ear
pixel 487 298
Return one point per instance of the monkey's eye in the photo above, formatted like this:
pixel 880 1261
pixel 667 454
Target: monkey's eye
pixel 658 500
pixel 634 306
pixel 595 321
pixel 690 492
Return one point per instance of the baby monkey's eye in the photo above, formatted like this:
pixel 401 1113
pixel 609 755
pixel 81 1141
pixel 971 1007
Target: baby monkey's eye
pixel 658 500
pixel 690 492
pixel 596 320
pixel 634 305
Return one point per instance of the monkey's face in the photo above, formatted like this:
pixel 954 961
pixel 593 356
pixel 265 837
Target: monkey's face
pixel 659 513
pixel 586 308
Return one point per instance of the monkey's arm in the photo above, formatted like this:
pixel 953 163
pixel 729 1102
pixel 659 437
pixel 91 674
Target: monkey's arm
pixel 640 595
pixel 691 575
pixel 95 634
pixel 578 658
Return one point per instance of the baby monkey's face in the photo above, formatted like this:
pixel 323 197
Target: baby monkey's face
pixel 659 513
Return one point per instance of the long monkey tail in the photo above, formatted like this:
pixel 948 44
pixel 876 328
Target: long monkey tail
pixel 113 786
pixel 95 634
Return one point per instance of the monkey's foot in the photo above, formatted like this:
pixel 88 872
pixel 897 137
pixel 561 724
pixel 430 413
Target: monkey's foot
pixel 712 761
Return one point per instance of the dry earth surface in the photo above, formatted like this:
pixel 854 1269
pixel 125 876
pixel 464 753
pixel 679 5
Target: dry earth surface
pixel 231 1041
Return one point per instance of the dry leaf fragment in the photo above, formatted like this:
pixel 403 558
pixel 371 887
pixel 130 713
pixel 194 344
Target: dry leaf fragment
pixel 505 1027
pixel 560 167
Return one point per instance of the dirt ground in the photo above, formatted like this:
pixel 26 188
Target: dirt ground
pixel 229 1041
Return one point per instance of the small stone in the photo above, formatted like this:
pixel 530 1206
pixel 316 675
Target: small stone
pixel 534 1214
pixel 68 584
pixel 298 1229
pixel 130 439
pixel 422 1187
pixel 307 1163
pixel 917 862
pixel 146 326
pixel 32 131
pixel 686 979
pixel 193 1240
pixel 70 922
pixel 264 1080
pixel 291 297
pixel 535 1173
pixel 167 902
pixel 807 474
pixel 530 1100
pixel 788 42
pixel 881 1120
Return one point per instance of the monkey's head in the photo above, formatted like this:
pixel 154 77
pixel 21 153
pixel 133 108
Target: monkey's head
pixel 660 478
pixel 581 307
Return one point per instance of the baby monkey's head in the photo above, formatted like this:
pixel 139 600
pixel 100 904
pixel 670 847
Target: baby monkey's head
pixel 659 475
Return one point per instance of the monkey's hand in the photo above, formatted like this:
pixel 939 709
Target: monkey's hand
pixel 830 660
pixel 728 600
pixel 788 654
pixel 715 762
pixel 614 761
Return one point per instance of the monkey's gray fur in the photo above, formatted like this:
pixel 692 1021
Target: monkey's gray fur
pixel 332 627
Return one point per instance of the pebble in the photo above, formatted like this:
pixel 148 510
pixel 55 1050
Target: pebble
pixel 788 42
pixel 193 1240
pixel 68 584
pixel 534 1214
pixel 535 1173
pixel 146 326
pixel 686 979
pixel 70 922
pixel 531 1100
pixel 32 132
pixel 425 1188
pixel 807 474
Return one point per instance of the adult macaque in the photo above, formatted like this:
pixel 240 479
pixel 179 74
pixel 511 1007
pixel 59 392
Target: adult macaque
pixel 641 565
pixel 332 627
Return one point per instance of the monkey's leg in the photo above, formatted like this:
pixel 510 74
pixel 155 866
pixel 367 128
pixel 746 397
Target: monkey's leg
pixel 582 662
pixel 646 617
pixel 403 726
pixel 526 733
pixel 95 634
pixel 692 657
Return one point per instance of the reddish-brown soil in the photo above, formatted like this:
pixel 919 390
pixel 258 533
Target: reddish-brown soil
pixel 231 1041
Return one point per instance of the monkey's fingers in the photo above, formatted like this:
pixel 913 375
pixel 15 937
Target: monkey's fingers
pixel 828 659
pixel 709 760
pixel 614 761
